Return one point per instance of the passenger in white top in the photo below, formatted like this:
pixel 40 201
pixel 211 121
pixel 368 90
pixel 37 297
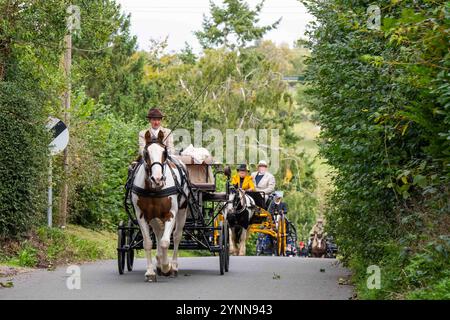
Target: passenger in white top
pixel 264 181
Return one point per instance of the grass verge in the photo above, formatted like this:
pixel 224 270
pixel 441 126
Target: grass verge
pixel 50 247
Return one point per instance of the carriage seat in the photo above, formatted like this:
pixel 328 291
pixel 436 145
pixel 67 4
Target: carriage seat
pixel 200 174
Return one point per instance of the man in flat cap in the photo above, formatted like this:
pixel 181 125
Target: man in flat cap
pixel 264 181
pixel 155 116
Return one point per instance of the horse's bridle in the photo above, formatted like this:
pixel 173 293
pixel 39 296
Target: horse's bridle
pixel 244 206
pixel 149 165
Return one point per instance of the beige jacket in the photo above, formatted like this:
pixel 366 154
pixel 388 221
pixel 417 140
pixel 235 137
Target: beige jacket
pixel 316 229
pixel 266 184
pixel 168 142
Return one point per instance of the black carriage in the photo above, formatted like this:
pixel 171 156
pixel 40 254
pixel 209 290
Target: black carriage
pixel 332 248
pixel 205 228
pixel 292 248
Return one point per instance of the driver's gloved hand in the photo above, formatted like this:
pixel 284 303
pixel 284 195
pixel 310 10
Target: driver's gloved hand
pixel 131 166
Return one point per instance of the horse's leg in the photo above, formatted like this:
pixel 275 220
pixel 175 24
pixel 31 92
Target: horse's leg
pixel 231 235
pixel 165 240
pixel 232 241
pixel 150 275
pixel 177 235
pixel 242 242
pixel 157 227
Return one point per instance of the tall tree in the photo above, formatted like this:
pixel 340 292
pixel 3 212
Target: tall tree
pixel 233 26
pixel 104 61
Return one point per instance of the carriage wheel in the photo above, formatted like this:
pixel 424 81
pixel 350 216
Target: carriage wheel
pixel 222 254
pixel 120 246
pixel 130 251
pixel 284 238
pixel 275 246
pixel 226 246
pixel 281 237
pixel 279 240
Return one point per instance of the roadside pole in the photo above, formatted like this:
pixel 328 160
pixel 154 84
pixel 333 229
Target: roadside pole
pixel 73 24
pixel 67 65
pixel 50 194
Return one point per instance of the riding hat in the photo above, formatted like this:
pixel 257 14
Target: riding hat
pixel 262 163
pixel 242 167
pixel 155 113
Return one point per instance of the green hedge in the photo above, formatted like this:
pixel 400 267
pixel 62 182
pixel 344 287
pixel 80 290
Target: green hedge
pixel 383 103
pixel 23 159
pixel 103 145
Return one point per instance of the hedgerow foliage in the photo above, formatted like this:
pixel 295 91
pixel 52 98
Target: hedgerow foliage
pixel 383 102
pixel 23 144
pixel 27 84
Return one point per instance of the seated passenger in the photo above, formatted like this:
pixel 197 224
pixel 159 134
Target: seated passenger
pixel 242 179
pixel 264 181
pixel 277 206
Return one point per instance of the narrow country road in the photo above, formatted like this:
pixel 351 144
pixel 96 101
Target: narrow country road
pixel 249 278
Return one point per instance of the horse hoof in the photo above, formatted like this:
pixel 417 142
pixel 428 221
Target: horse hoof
pixel 158 271
pixel 173 273
pixel 150 278
pixel 166 274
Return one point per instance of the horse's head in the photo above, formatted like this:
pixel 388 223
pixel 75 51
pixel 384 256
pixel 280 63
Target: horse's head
pixel 155 157
pixel 236 204
pixel 242 201
pixel 236 200
pixel 319 240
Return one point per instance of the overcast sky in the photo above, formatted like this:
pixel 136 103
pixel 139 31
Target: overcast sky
pixel 178 19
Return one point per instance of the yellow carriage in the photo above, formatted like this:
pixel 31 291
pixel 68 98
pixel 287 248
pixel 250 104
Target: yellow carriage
pixel 262 222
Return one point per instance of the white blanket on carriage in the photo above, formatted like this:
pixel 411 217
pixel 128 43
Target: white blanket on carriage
pixel 198 154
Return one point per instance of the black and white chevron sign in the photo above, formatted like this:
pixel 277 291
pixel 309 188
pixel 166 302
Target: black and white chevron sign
pixel 60 135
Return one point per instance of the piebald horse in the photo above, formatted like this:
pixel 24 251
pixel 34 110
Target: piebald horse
pixel 240 209
pixel 319 246
pixel 159 204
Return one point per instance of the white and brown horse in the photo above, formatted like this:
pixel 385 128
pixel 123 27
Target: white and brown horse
pixel 159 205
pixel 240 209
pixel 319 245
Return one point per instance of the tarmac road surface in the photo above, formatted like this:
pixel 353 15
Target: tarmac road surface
pixel 259 278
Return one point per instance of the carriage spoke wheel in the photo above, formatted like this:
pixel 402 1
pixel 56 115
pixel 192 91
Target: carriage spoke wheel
pixel 130 251
pixel 284 238
pixel 120 246
pixel 226 245
pixel 222 249
pixel 281 237
pixel 275 245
